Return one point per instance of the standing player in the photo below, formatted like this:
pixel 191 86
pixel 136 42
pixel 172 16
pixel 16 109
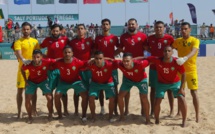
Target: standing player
pixel 101 80
pixel 132 42
pixel 82 48
pixel 133 75
pixel 69 68
pixel 38 69
pixel 55 44
pixel 23 49
pixel 155 45
pixel 188 47
pixel 107 43
pixel 168 79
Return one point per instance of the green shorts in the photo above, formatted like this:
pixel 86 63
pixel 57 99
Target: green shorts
pixel 86 78
pixel 115 77
pixel 128 84
pixel 162 88
pixel 32 87
pixel 63 87
pixel 53 77
pixel 153 78
pixel 95 89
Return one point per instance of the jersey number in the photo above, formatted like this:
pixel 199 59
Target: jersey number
pixel 159 45
pixel 39 72
pixel 130 73
pixel 82 46
pixel 99 73
pixel 105 43
pixel 57 45
pixel 132 42
pixel 68 71
pixel 166 70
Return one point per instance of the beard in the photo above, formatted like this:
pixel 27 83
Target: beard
pixel 55 36
pixel 131 30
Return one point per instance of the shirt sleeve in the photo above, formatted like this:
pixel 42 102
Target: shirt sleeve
pixel 196 43
pixel 121 44
pixel 145 63
pixel 175 44
pixel 171 40
pixel 181 69
pixel 37 46
pixel 17 45
pixel 96 43
pixel 24 67
pixel 152 59
pixel 116 40
pixel 44 43
pixel 144 38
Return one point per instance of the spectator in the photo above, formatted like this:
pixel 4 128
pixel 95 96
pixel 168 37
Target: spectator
pixel 17 31
pixel 211 31
pixel 49 21
pixel 56 21
pixel 203 31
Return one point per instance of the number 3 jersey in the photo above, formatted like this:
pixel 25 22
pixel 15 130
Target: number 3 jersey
pixel 54 46
pixel 157 45
pixel 38 73
pixel 82 48
pixel 167 72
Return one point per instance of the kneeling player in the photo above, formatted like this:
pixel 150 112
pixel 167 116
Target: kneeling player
pixel 102 80
pixel 69 68
pixel 38 69
pixel 168 79
pixel 133 75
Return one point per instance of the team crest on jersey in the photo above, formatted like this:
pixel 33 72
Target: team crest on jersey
pixel 189 43
pixel 136 71
pixel 34 43
pixel 73 68
pixel 88 43
pixel 44 68
pixel 105 70
pixel 50 41
pixel 138 38
pixel 165 41
pixel 111 41
pixel 172 68
pixel 62 41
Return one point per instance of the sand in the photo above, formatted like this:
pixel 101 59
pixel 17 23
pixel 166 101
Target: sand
pixel 134 123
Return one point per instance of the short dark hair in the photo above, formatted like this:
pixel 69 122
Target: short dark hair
pixel 81 25
pixel 98 52
pixel 106 20
pixel 56 25
pixel 26 24
pixel 167 47
pixel 37 51
pixel 132 19
pixel 159 22
pixel 67 46
pixel 126 54
pixel 186 23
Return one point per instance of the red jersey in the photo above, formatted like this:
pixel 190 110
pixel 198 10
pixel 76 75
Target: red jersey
pixel 107 44
pixel 133 43
pixel 55 46
pixel 69 72
pixel 157 45
pixel 103 75
pixel 167 72
pixel 137 73
pixel 82 48
pixel 38 73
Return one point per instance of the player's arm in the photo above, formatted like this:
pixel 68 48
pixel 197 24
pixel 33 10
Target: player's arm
pixel 24 75
pixel 118 51
pixel 183 78
pixel 18 53
pixel 139 58
pixel 119 46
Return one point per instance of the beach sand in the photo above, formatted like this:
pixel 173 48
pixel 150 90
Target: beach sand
pixel 134 123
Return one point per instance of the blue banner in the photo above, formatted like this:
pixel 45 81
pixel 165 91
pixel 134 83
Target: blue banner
pixel 193 12
pixel 20 2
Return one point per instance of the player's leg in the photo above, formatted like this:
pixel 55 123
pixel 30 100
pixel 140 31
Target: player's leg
pixel 195 103
pixel 19 100
pixel 121 103
pixel 171 102
pixel 183 106
pixel 49 98
pixel 115 100
pixel 92 107
pixel 64 99
pixel 28 106
pixel 57 101
pixel 152 84
pixel 157 110
pixel 116 82
pixel 84 103
pixel 34 104
pixel 76 102
pixel 101 101
pixel 111 107
pixel 126 101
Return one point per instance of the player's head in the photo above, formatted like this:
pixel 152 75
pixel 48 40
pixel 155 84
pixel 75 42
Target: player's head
pixel 106 24
pixel 127 60
pixel 168 51
pixel 132 25
pixel 56 30
pixel 26 29
pixel 37 56
pixel 67 53
pixel 99 58
pixel 63 31
pixel 185 29
pixel 159 27
pixel 81 30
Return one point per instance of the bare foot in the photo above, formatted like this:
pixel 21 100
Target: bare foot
pixel 58 118
pixel 178 115
pixel 148 122
pixel 157 122
pixel 197 120
pixel 121 119
pixel 76 113
pixel 29 121
pixel 184 125
pixel 115 112
pixel 66 113
pixel 34 113
pixel 50 117
pixel 126 113
pixel 112 120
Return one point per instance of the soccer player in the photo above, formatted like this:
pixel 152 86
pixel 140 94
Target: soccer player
pixel 38 69
pixel 155 45
pixel 55 44
pixel 133 75
pixel 23 50
pixel 133 42
pixel 107 43
pixel 187 47
pixel 101 80
pixel 82 49
pixel 168 79
pixel 69 68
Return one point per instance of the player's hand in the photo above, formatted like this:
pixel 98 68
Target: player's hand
pixel 26 62
pixel 91 62
pixel 181 91
pixel 180 61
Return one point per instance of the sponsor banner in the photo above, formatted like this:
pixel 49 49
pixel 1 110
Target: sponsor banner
pixel 36 17
pixel 210 50
pixel 202 50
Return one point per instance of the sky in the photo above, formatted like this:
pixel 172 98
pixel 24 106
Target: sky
pixel 118 13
